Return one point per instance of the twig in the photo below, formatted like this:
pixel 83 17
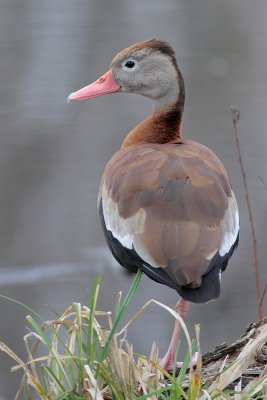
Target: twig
pixel 235 119
pixel 265 288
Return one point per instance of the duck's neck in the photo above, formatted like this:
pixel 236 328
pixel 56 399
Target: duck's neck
pixel 164 125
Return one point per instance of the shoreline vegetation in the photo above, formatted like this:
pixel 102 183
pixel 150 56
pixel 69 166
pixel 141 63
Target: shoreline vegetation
pixel 71 357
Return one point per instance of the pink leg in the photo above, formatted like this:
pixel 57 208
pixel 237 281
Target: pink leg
pixel 181 308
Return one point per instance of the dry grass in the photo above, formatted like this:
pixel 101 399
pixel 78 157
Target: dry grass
pixel 84 361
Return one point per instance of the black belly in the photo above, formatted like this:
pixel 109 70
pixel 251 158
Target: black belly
pixel 129 259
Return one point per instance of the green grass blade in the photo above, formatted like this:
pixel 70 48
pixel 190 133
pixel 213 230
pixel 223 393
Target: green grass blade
pixel 70 368
pixel 25 387
pixel 63 396
pixel 121 311
pixel 253 387
pixel 60 340
pixel 92 306
pixel 2 296
pixel 51 373
pixel 155 393
pixel 175 359
pixel 186 361
pixel 79 340
pixel 118 304
pixel 111 382
pixel 44 378
pixel 48 344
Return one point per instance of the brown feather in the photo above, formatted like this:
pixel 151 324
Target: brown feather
pixel 182 191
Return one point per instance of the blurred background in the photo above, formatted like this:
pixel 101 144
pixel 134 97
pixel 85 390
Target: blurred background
pixel 52 154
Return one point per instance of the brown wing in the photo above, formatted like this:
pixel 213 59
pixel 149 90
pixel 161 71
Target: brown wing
pixel 173 204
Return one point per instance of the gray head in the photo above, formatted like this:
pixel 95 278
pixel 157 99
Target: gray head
pixel 149 68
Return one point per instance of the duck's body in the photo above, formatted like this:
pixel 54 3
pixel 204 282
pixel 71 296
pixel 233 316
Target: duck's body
pixel 165 203
pixel 169 210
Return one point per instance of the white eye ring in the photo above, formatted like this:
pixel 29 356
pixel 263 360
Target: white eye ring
pixel 129 65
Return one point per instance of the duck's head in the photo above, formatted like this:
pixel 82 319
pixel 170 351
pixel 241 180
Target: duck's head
pixel 148 68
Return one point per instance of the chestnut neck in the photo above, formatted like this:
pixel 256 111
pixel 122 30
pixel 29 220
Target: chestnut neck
pixel 164 125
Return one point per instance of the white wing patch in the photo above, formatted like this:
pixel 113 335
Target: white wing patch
pixel 129 231
pixel 122 229
pixel 230 227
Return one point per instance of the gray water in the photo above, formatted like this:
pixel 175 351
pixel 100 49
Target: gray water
pixel 52 154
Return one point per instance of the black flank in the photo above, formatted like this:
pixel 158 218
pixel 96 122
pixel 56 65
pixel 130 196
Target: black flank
pixel 129 259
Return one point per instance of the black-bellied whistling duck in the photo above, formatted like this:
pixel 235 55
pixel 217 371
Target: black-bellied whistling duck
pixel 165 203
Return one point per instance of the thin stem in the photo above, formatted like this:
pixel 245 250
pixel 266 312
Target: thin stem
pixel 264 290
pixel 120 313
pixel 235 119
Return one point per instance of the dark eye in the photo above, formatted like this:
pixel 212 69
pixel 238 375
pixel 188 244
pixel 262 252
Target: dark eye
pixel 129 64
